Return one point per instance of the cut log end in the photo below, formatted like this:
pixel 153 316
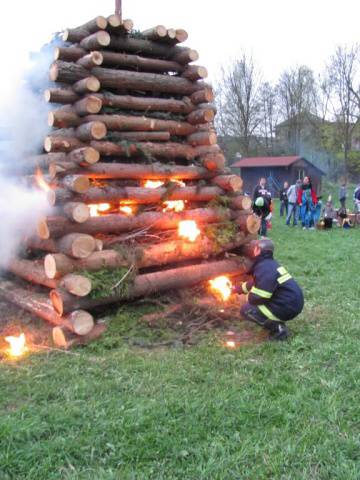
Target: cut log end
pixel 76 211
pixel 43 230
pixel 82 321
pixel 56 265
pixel 77 285
pixel 66 340
pixel 87 85
pixel 54 72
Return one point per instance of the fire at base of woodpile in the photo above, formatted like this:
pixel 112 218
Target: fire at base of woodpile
pixel 142 201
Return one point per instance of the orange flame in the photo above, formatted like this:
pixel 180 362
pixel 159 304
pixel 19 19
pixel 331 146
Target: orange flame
pixel 39 177
pixel 17 345
pixel 222 287
pixel 126 209
pixel 230 344
pixel 189 230
pixel 174 205
pixel 153 184
pixel 97 208
pixel 179 182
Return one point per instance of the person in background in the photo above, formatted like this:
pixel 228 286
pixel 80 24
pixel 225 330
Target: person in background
pixel 260 189
pixel 357 198
pixel 307 201
pixel 329 215
pixel 284 200
pixel 274 297
pixel 293 209
pixel 343 194
pixel 262 208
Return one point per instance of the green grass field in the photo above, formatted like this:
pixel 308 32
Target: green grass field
pixel 267 411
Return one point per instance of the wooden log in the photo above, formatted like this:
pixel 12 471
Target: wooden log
pixel 156 33
pixel 141 136
pixel 69 54
pixel 85 155
pixel 122 80
pixel 76 245
pixel 201 116
pixel 202 138
pixel 43 161
pixel 213 161
pixel 230 183
pixel 203 150
pixel 79 321
pixel 143 64
pixel 135 123
pixel 186 55
pixel 63 118
pixel 119 26
pixel 91 130
pixel 170 36
pixel 181 35
pixel 195 72
pixel 61 95
pixel 160 254
pixel 62 144
pixel 88 105
pixel 249 223
pixel 77 34
pixel 96 41
pixel 76 183
pixel 91 60
pixel 58 168
pixel 149 104
pixel 241 202
pixel 76 211
pixel 150 283
pixel 87 85
pixel 137 195
pixel 66 340
pixel 54 227
pixel 205 95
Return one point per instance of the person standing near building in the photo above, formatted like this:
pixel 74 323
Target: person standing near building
pixel 343 194
pixel 262 204
pixel 293 209
pixel 284 202
pixel 357 198
pixel 307 201
pixel 261 190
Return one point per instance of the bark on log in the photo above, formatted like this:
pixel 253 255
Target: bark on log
pixel 119 26
pixel 76 245
pixel 137 195
pixel 230 183
pixel 141 136
pixel 59 167
pixel 161 254
pixel 249 223
pixel 195 72
pixel 205 95
pixel 63 339
pixel 85 155
pixel 34 272
pixel 241 202
pixel 76 183
pixel 43 161
pixel 96 41
pixel 155 171
pixel 213 161
pixel 88 105
pixel 186 55
pixel 133 123
pixel 201 116
pixel 63 119
pixel 202 138
pixel 91 60
pixel 143 64
pixel 156 33
pixel 87 85
pixel 77 34
pixel 76 211
pixel 61 95
pixel 69 54
pixel 62 144
pixel 149 104
pixel 91 129
pixel 54 227
pixel 156 282
pixel 79 321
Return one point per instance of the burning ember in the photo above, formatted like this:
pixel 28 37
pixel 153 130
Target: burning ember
pixel 153 184
pixel 39 177
pixel 189 230
pixel 97 209
pixel 174 205
pixel 126 209
pixel 178 182
pixel 17 345
pixel 230 344
pixel 222 287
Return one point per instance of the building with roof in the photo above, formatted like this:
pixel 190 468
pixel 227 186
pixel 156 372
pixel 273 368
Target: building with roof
pixel 276 170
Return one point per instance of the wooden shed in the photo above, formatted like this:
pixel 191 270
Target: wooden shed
pixel 276 170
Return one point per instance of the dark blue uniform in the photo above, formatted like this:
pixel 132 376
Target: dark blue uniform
pixel 274 296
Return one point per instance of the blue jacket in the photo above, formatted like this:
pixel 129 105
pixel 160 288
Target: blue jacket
pixel 273 289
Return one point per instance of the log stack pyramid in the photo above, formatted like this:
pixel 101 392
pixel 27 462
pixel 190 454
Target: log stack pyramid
pixel 131 154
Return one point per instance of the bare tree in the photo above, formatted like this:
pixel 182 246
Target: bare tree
pixel 269 115
pixel 342 70
pixel 239 102
pixel 297 101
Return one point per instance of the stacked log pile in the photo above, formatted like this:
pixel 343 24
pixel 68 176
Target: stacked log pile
pixel 132 154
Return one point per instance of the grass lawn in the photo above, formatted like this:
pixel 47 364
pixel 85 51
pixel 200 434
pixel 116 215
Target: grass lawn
pixel 268 411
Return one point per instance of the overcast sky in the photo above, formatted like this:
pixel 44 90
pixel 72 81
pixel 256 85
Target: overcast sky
pixel 278 33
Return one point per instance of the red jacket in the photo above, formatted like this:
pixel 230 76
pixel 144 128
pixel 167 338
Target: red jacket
pixel 313 196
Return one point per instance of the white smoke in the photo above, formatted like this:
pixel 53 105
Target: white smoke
pixel 23 127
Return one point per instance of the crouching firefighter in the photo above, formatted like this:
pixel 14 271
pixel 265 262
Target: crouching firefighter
pixel 274 297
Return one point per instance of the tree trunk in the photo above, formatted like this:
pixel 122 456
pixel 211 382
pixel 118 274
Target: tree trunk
pixel 53 227
pixel 148 104
pixel 76 245
pixel 85 155
pixel 87 85
pixel 96 41
pixel 156 33
pixel 150 283
pixel 61 95
pixel 201 116
pixel 241 202
pixel 69 54
pixel 91 60
pixel 133 123
pixel 88 105
pixel 91 130
pixel 76 211
pixel 143 64
pixel 195 72
pixel 76 183
pixel 63 339
pixel 249 223
pixel 230 183
pixel 63 119
pixel 161 254
pixel 77 34
pixel 78 321
pixel 205 95
pixel 62 144
pixel 202 138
